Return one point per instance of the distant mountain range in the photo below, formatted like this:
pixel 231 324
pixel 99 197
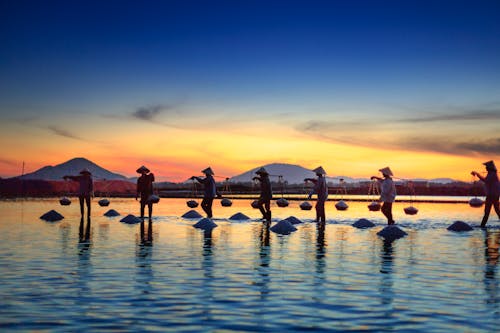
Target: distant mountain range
pixel 292 174
pixel 73 167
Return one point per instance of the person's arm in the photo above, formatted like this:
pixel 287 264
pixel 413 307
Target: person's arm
pixel 478 175
pixel 377 178
pixel 200 180
pixel 257 178
pixel 74 178
pixel 312 180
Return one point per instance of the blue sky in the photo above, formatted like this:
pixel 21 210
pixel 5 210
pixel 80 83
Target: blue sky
pixel 351 65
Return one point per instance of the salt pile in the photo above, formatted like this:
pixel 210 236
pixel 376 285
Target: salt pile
pixel 192 214
pixel 306 206
pixel 131 219
pixel 293 220
pixel 239 216
pixel 283 227
pixel 391 233
pixel 192 204
pixel 111 213
pixel 103 202
pixel 282 202
pixel 459 226
pixel 363 223
pixel 226 202
pixel 205 224
pixel 51 216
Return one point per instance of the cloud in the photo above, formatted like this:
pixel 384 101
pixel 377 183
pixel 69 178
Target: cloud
pixel 8 162
pixel 62 132
pixel 151 112
pixel 472 115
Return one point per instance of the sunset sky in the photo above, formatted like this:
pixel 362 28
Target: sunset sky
pixel 179 85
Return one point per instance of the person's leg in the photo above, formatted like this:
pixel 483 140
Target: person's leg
pixel 143 205
pixel 496 206
pixel 150 210
pixel 387 211
pixel 150 231
pixel 267 206
pixel 263 211
pixel 81 199
pixel 487 209
pixel 87 200
pixel 318 214
pixel 209 207
pixel 320 211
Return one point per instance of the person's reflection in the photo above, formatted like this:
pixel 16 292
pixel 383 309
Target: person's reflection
pixel 84 264
pixel 264 260
pixel 320 251
pixel 386 280
pixel 491 257
pixel 146 239
pixel 84 232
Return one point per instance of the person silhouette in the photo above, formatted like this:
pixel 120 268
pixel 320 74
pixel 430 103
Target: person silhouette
pixel 86 189
pixel 145 190
pixel 321 189
pixel 266 194
pixel 387 193
pixel 492 187
pixel 210 190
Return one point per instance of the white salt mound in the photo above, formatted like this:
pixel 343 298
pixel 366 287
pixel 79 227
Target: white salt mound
pixel 293 220
pixel 391 233
pixel 192 214
pixel 239 216
pixel 131 219
pixel 363 223
pixel 111 213
pixel 459 226
pixel 51 216
pixel 205 224
pixel 283 227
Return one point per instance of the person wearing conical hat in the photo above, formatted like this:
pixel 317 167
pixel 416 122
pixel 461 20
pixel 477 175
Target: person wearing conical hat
pixel 85 190
pixel 492 187
pixel 387 193
pixel 321 189
pixel 266 194
pixel 210 190
pixel 145 190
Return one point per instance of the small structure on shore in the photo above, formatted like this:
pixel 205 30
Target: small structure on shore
pixel 131 219
pixel 192 214
pixel 459 226
pixel 363 224
pixel 239 217
pixel 205 224
pixel 51 216
pixel 283 227
pixel 391 233
pixel 111 213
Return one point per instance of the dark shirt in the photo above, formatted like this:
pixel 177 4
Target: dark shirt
pixel 86 184
pixel 491 184
pixel 320 188
pixel 209 185
pixel 145 184
pixel 266 191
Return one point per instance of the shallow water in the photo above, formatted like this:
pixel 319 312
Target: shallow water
pixel 241 278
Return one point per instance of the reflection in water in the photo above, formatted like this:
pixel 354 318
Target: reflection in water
pixel 146 239
pixel 491 256
pixel 386 279
pixel 264 261
pixel 144 254
pixel 84 263
pixel 207 266
pixel 320 251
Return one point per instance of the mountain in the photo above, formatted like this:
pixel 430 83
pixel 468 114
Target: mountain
pixel 73 167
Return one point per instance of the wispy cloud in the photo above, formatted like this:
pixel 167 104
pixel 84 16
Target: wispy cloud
pixel 8 162
pixel 472 115
pixel 64 133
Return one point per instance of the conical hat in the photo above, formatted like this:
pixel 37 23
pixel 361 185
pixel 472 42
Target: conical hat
pixel 319 171
pixel 386 171
pixel 208 171
pixel 262 171
pixel 490 165
pixel 142 169
pixel 85 171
